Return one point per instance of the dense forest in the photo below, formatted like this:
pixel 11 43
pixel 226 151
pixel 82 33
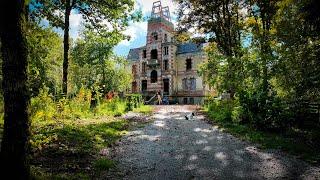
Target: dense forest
pixel 264 54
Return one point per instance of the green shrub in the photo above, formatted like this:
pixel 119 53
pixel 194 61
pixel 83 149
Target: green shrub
pixel 221 110
pixel 133 101
pixel 43 107
pixel 114 107
pixel 103 164
pixel 265 112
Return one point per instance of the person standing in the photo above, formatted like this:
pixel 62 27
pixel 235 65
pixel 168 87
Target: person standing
pixel 159 97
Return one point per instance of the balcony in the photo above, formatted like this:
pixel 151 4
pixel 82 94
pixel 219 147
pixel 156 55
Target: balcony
pixel 153 62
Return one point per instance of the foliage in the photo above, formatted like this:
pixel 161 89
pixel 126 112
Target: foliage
pixel 134 101
pixel 292 141
pixel 106 17
pixel 94 13
pixel 45 59
pixel 94 65
pixel 65 129
pixel 144 109
pixel 103 164
pixel 270 67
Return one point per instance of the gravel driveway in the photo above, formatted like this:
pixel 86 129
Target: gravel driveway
pixel 172 147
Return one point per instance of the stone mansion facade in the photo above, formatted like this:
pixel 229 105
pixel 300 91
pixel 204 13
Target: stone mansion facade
pixel 164 66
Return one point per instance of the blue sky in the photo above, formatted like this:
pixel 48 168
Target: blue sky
pixel 137 30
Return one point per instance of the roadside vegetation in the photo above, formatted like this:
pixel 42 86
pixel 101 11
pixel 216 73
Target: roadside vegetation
pixel 302 144
pixel 263 63
pixel 67 135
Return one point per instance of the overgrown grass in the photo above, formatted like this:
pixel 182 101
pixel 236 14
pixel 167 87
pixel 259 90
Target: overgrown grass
pixel 103 164
pixel 67 135
pixel 144 109
pixel 225 116
pixel 70 146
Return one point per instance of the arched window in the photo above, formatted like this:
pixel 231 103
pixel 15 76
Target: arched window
pixel 165 38
pixel 154 54
pixel 154 76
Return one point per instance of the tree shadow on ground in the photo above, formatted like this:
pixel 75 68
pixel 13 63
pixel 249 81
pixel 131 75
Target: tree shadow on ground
pixel 175 148
pixel 72 148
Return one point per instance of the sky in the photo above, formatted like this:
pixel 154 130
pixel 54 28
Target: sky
pixel 137 30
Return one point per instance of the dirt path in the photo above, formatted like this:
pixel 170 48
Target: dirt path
pixel 172 147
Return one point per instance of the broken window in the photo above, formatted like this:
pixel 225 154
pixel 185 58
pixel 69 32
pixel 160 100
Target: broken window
pixel 166 65
pixel 144 85
pixel 144 52
pixel 134 69
pixel 155 35
pixel 144 67
pixel 185 84
pixel 193 85
pixel 154 54
pixel 188 64
pixel 154 76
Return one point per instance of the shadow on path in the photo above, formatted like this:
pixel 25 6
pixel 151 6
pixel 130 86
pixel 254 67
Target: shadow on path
pixel 172 147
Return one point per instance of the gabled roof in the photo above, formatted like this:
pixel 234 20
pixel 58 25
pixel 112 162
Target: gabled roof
pixel 133 54
pixel 189 47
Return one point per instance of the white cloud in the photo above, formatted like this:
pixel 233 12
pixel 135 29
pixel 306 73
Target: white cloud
pixel 75 24
pixel 75 19
pixel 138 29
pixel 135 31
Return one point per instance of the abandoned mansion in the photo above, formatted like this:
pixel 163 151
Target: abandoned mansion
pixel 165 66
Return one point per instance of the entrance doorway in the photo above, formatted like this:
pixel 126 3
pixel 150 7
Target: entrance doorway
pixel 166 86
pixel 144 85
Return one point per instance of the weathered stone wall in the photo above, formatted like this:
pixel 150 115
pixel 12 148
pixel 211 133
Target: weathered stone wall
pixel 197 59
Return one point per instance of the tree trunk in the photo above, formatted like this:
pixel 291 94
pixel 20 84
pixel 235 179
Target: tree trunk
pixel 66 48
pixel 14 146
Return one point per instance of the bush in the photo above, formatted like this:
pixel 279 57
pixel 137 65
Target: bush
pixel 265 112
pixel 114 107
pixel 103 164
pixel 133 101
pixel 43 107
pixel 223 110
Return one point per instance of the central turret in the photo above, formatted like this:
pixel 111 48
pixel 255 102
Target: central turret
pixel 160 26
pixel 156 53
